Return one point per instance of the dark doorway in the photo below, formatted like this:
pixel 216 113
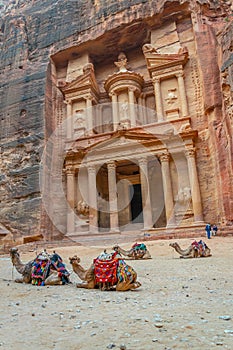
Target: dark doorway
pixel 136 203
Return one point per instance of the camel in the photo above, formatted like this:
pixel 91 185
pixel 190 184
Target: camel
pixel 195 250
pixel 26 270
pixel 134 253
pixel 128 282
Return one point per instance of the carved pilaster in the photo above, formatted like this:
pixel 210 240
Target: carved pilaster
pixel 167 188
pixel 146 202
pixel 71 190
pixel 93 220
pixel 112 188
pixel 194 185
pixel 183 97
pixel 89 114
pixel 69 120
pixel 114 110
pixel 158 99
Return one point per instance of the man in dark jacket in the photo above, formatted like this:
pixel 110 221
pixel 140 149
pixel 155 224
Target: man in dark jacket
pixel 208 230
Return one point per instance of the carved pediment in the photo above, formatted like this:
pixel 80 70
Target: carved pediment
pixel 82 84
pixel 125 138
pixel 156 61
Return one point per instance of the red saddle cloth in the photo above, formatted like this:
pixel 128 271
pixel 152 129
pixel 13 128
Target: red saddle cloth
pixel 106 271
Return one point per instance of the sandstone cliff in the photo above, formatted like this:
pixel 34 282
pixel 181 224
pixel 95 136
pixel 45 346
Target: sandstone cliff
pixel 32 31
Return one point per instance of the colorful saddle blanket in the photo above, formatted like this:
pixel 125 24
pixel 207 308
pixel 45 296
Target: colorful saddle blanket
pixel 42 266
pixel 200 246
pixel 106 270
pixel 139 246
pixel 125 272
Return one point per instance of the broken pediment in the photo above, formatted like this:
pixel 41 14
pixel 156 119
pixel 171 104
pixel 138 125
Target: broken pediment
pixel 156 61
pixel 83 84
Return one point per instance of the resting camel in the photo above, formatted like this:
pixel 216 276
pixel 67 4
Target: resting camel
pixel 195 250
pixel 89 280
pixel 26 270
pixel 133 254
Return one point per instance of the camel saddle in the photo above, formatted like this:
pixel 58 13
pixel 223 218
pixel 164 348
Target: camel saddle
pixel 106 270
pixel 200 246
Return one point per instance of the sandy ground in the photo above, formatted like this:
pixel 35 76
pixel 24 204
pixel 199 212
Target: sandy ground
pixel 179 305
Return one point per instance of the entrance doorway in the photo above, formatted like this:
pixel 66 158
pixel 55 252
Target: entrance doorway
pixel 136 203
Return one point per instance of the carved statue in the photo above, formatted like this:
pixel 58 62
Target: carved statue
pixel 122 62
pixel 171 96
pixel 83 208
pixel 184 195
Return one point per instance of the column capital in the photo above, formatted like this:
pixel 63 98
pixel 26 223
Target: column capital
pixel 111 165
pixel 180 74
pixel 70 170
pixel 88 98
pixel 68 102
pixel 142 161
pixel 132 88
pixel 91 169
pixel 164 157
pixel 190 152
pixel 112 93
pixel 156 80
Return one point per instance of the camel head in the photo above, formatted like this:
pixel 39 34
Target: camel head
pixel 116 248
pixel 173 245
pixel 14 253
pixel 75 260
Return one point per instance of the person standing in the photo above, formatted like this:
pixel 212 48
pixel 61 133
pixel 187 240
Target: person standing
pixel 208 230
pixel 214 230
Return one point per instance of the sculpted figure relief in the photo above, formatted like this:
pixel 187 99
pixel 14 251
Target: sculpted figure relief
pixel 83 208
pixel 122 62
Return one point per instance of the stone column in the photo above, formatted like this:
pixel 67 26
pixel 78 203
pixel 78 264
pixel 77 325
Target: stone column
pixel 146 202
pixel 183 97
pixel 167 189
pixel 194 184
pixel 70 121
pixel 142 109
pixel 92 200
pixel 89 115
pixel 141 118
pixel 115 118
pixel 158 99
pixel 132 107
pixel 112 188
pixel 71 188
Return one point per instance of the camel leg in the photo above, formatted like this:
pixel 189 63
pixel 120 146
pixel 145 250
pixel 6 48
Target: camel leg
pixel 124 286
pixel 86 285
pixel 19 280
pixel 23 280
pixel 147 255
pixel 135 285
pixel 53 280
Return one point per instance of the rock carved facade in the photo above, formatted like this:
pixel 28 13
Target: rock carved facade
pixel 139 110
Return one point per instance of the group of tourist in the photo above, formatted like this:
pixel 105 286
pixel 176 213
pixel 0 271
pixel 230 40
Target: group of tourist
pixel 211 230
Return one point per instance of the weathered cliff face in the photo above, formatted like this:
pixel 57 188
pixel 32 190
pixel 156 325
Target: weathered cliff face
pixel 224 129
pixel 32 31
